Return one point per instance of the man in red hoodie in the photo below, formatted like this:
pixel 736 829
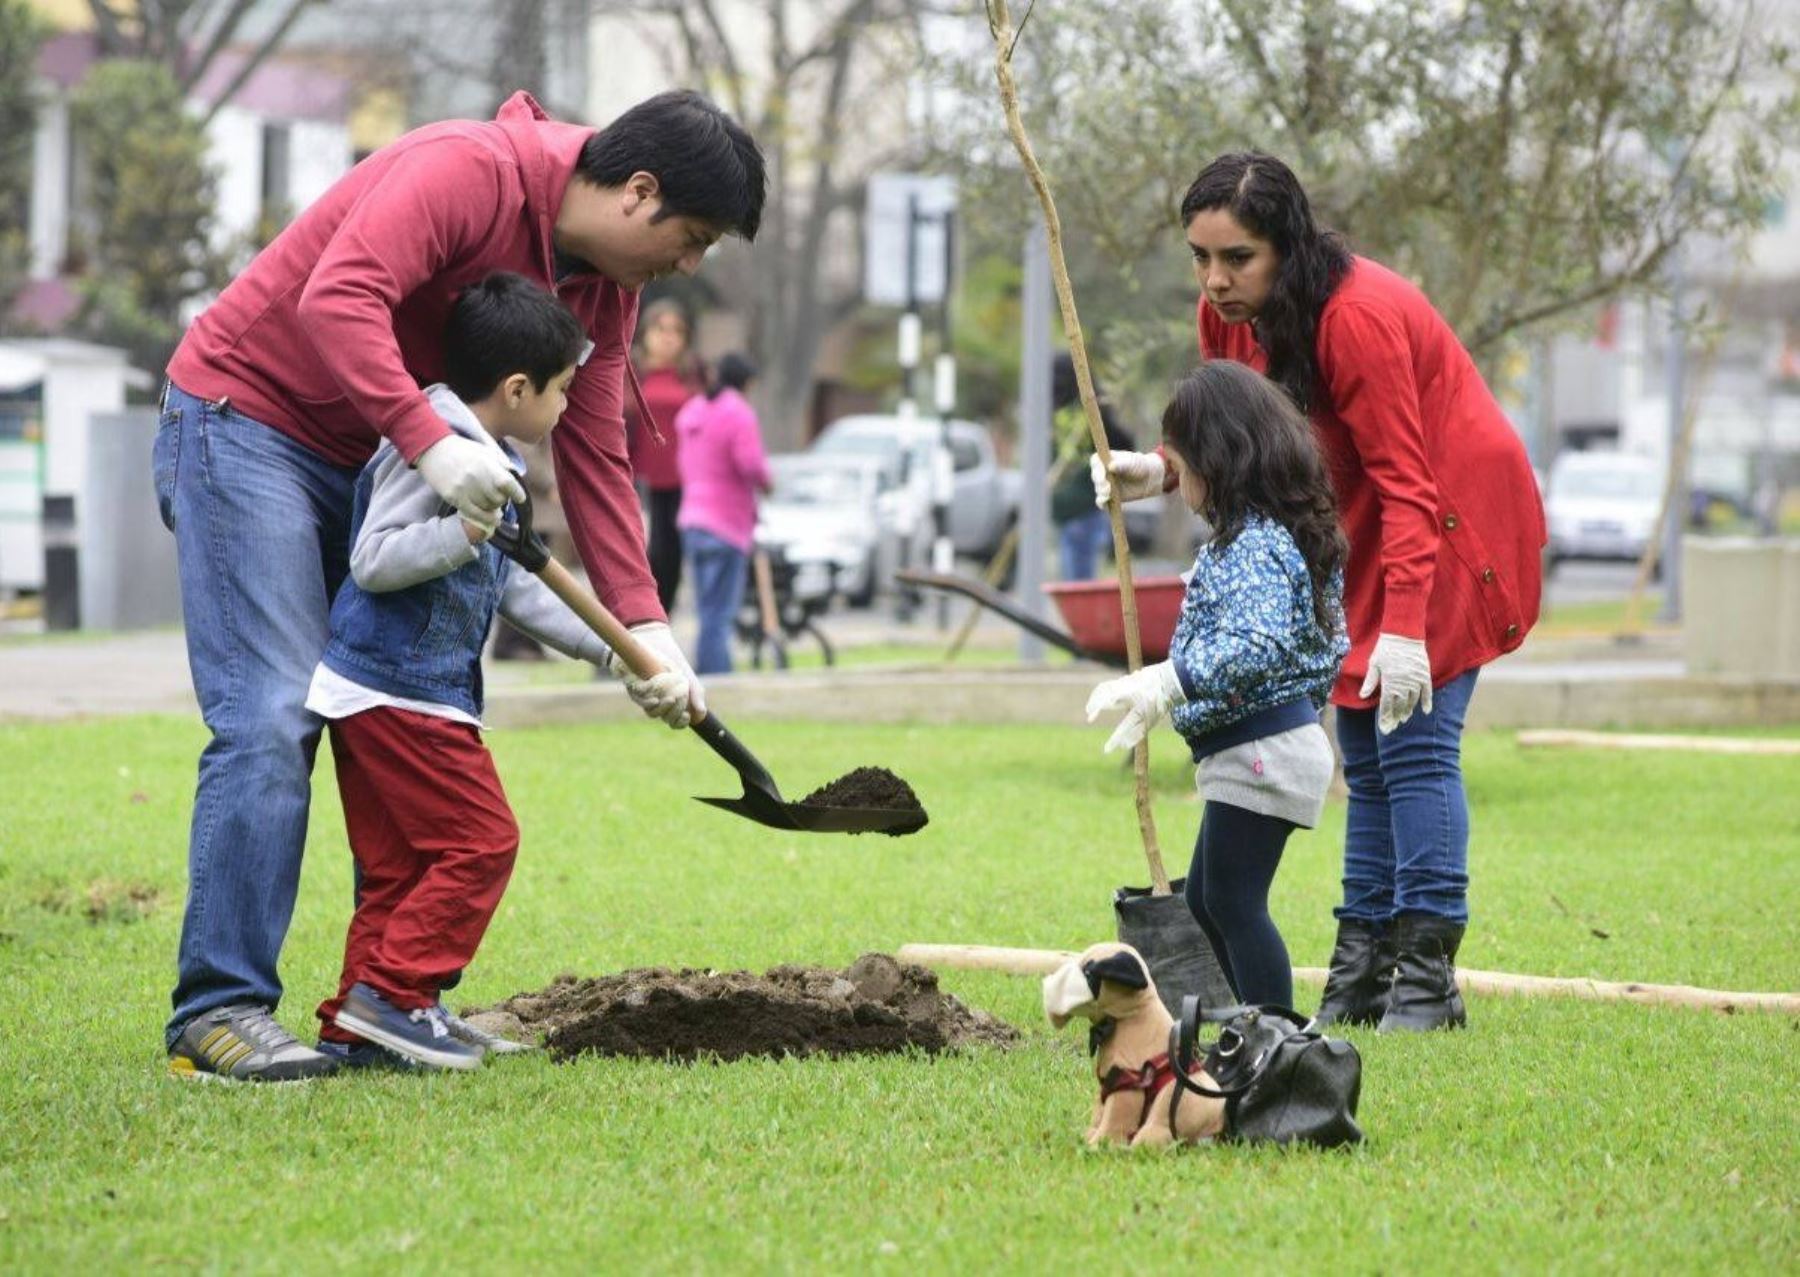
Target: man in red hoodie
pixel 284 387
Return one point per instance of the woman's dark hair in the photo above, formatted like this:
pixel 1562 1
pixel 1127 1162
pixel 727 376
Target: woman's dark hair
pixel 504 325
pixel 1264 196
pixel 708 166
pixel 1256 454
pixel 734 372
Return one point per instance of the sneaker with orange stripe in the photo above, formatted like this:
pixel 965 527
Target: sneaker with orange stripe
pixel 243 1043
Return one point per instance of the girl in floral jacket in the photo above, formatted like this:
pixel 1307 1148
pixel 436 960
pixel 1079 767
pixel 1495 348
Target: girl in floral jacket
pixel 1253 659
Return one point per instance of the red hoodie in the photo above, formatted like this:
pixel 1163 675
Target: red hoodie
pixel 330 332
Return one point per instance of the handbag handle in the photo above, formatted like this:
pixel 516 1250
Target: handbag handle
pixel 1184 1032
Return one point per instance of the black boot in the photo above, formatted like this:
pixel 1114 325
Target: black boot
pixel 1425 995
pixel 1362 968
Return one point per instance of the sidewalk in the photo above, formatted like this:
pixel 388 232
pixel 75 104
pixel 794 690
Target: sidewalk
pixel 94 675
pixel 1553 682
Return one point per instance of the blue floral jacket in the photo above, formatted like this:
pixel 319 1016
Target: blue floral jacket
pixel 1247 648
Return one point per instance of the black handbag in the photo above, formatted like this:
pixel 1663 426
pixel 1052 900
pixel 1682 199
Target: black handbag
pixel 1282 1083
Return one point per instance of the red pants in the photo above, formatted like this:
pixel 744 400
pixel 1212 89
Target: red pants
pixel 434 842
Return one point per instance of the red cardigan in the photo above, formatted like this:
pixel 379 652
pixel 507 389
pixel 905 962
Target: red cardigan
pixel 330 332
pixel 1434 487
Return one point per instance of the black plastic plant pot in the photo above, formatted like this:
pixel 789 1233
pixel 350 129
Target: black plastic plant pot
pixel 1179 955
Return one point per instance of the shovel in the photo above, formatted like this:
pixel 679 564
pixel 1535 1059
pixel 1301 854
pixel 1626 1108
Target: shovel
pixel 762 801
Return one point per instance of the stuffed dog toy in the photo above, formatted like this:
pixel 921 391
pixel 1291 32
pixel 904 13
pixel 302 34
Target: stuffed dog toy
pixel 1110 985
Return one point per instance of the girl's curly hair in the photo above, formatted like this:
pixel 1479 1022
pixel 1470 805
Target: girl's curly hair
pixel 1257 454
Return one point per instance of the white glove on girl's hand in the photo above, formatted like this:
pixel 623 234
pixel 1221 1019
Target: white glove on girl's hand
pixel 1139 475
pixel 673 696
pixel 471 476
pixel 1401 668
pixel 1145 696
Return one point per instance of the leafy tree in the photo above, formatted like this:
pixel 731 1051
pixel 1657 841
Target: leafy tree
pixel 151 200
pixel 21 35
pixel 1521 159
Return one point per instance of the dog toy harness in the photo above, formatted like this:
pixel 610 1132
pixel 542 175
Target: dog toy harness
pixel 1157 1072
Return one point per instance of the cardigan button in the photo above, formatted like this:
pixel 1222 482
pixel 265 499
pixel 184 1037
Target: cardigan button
pixel 1487 575
pixel 1512 631
pixel 1450 522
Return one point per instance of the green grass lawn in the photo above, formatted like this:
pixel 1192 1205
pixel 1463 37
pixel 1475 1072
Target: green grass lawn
pixel 1555 1136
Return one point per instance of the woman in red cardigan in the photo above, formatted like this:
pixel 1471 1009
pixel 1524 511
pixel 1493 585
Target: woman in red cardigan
pixel 1441 509
pixel 669 375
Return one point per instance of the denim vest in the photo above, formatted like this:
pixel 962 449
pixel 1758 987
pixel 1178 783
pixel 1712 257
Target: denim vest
pixel 424 642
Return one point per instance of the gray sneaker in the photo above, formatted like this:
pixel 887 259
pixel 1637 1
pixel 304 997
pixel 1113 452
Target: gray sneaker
pixel 243 1043
pixel 419 1034
pixel 474 1035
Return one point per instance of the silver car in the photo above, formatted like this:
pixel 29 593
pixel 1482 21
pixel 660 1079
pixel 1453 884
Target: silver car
pixel 985 498
pixel 822 516
pixel 1602 505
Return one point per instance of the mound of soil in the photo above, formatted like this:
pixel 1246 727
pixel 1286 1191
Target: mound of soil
pixel 874 1005
pixel 875 787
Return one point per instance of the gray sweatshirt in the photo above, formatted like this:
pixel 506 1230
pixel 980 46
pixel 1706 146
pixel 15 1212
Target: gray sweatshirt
pixel 404 540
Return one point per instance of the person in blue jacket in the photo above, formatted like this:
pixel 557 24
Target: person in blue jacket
pixel 1253 658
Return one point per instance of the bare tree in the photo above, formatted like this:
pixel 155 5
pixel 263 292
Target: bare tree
pixel 808 92
pixel 188 36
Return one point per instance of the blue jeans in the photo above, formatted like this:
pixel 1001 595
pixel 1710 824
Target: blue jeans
pixel 1406 837
pixel 262 529
pixel 1080 543
pixel 719 570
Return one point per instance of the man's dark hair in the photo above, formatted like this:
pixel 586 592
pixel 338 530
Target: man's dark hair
pixel 504 325
pixel 709 167
pixel 734 372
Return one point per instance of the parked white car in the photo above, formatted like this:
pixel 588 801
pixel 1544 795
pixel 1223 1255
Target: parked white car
pixel 1602 505
pixel 985 497
pixel 822 516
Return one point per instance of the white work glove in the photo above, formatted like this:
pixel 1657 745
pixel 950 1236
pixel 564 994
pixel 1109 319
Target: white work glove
pixel 1144 696
pixel 471 476
pixel 672 696
pixel 1139 475
pixel 1400 667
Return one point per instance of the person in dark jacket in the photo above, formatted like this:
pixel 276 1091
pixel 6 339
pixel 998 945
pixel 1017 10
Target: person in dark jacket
pixel 1083 534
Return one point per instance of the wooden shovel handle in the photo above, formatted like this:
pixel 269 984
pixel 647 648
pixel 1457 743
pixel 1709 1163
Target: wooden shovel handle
pixel 641 660
pixel 765 594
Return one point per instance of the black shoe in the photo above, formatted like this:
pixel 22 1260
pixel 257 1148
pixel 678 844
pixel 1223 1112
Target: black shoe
pixel 1362 969
pixel 1425 995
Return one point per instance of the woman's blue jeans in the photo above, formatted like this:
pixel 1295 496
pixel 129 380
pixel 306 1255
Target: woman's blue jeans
pixel 1406 838
pixel 719 570
pixel 262 530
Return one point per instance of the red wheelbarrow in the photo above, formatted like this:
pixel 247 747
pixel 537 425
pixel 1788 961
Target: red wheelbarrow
pixel 1090 609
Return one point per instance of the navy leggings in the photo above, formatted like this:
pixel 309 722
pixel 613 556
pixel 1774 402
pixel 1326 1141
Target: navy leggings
pixel 1235 859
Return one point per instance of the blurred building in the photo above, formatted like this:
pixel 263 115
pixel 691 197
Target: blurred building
pixel 284 136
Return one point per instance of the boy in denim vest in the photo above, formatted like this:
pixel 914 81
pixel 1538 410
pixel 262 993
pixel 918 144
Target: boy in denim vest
pixel 400 684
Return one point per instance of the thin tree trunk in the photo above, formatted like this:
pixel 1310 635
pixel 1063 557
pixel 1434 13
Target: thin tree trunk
pixel 1005 39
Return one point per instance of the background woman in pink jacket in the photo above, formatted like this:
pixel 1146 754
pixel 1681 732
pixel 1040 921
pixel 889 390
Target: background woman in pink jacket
pixel 722 469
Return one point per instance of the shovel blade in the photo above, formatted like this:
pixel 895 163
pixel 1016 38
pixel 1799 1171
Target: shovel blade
pixel 822 820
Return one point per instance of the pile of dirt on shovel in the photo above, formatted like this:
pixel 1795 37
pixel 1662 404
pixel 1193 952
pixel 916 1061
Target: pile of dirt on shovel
pixel 874 1005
